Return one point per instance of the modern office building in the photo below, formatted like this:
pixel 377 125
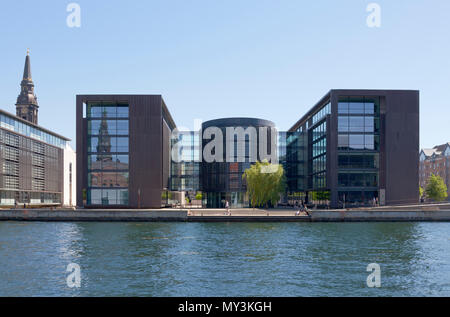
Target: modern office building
pixel 435 161
pixel 123 150
pixel 362 146
pixel 32 158
pixel 353 148
pixel 221 178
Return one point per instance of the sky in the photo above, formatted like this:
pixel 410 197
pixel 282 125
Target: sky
pixel 227 58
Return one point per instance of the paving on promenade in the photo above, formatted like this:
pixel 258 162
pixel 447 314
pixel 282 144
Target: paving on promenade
pixel 424 212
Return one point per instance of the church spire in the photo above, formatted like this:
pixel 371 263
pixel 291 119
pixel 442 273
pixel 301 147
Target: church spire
pixel 27 106
pixel 27 68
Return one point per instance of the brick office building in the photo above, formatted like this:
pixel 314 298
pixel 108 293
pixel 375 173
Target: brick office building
pixel 435 161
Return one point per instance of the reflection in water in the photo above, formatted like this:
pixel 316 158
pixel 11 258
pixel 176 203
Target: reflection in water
pixel 208 259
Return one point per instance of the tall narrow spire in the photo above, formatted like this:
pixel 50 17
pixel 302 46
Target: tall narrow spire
pixel 27 68
pixel 27 106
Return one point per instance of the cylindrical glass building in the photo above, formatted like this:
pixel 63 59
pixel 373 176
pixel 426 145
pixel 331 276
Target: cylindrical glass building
pixel 230 146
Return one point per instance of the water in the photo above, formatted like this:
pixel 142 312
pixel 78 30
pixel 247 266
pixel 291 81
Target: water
pixel 235 259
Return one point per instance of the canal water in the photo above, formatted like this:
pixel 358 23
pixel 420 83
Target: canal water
pixel 224 259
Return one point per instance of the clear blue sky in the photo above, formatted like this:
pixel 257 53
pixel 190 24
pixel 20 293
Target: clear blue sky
pixel 215 58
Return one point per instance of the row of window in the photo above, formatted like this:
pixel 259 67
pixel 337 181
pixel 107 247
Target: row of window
pixel 108 144
pixel 110 127
pixel 358 161
pixel 357 179
pixel 108 162
pixel 358 142
pixel 319 180
pixel 107 196
pixel 108 179
pixel 37 160
pixel 357 198
pixel 9 138
pixel 37 172
pixel 9 153
pixel 10 197
pixel 10 168
pixel 319 164
pixel 319 148
pixel 12 124
pixel 11 182
pixel 319 131
pixel 37 184
pixel 358 124
pixel 16 141
pixel 368 108
pixel 321 113
pixel 107 110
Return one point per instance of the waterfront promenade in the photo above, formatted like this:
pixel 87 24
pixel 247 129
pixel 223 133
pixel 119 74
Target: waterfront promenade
pixel 427 212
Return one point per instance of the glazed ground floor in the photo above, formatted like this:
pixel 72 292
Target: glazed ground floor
pixel 357 197
pixel 33 198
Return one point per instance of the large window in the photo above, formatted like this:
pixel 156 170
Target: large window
pixel 108 153
pixel 318 162
pixel 358 148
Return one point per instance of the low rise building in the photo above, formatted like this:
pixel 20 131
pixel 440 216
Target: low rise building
pixel 435 161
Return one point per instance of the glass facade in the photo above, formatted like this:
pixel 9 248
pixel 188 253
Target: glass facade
pixel 358 150
pixel 31 131
pixel 222 181
pixel 318 192
pixel 292 155
pixel 108 153
pixel 185 170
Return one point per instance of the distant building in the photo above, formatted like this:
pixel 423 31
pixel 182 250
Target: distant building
pixel 435 161
pixel 27 105
pixel 32 158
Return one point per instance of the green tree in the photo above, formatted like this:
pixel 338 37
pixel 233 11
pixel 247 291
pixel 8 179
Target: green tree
pixel 265 182
pixel 420 192
pixel 436 188
pixel 198 196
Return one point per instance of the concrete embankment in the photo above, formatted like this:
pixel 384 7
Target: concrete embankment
pixel 380 215
pixel 92 215
pixel 395 214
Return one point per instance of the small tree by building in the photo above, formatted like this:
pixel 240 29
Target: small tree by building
pixel 436 188
pixel 265 183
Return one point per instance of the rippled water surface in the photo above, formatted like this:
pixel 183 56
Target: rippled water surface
pixel 235 259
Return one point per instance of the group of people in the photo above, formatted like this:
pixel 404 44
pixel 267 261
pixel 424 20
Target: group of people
pixel 303 208
pixel 375 202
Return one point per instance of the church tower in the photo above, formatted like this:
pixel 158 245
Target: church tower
pixel 104 141
pixel 27 106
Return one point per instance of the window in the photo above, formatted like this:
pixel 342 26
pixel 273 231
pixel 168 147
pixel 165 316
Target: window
pixel 108 160
pixel 356 108
pixel 11 182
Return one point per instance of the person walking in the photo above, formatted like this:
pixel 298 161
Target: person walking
pixel 227 206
